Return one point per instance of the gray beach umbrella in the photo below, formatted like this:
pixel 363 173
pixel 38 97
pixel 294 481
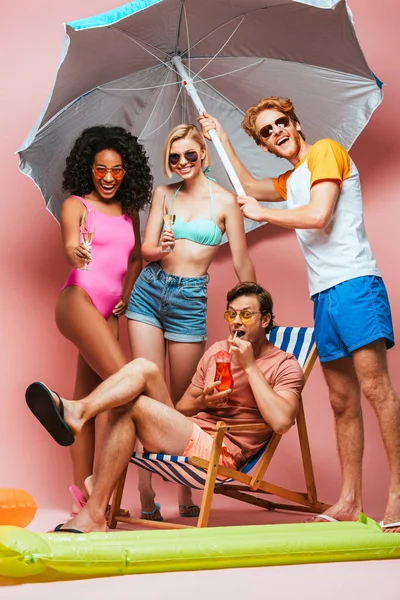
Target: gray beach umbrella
pixel 152 64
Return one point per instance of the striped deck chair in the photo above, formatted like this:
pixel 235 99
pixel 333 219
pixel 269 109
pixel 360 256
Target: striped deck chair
pixel 208 475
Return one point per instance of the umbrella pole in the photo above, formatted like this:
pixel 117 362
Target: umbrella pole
pixel 191 90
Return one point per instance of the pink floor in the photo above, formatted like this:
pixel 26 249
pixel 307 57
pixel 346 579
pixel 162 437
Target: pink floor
pixel 335 581
pixel 351 580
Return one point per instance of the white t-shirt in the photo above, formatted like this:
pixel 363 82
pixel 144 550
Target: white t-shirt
pixel 341 251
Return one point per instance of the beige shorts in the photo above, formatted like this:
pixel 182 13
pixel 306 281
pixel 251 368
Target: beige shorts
pixel 200 445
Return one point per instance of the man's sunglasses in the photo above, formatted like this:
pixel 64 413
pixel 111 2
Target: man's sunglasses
pixel 190 155
pixel 266 131
pixel 116 172
pixel 244 315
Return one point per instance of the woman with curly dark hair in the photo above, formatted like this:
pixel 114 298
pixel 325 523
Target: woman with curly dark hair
pixel 109 179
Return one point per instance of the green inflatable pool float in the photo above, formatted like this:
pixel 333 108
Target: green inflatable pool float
pixel 44 556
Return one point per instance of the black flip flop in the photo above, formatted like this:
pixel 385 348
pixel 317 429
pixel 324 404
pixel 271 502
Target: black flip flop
pixel 40 401
pixel 58 529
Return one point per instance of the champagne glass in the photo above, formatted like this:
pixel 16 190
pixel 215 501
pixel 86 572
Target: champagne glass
pixel 87 229
pixel 169 219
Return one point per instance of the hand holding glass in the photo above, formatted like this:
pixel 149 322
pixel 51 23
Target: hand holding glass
pixel 169 219
pixel 88 224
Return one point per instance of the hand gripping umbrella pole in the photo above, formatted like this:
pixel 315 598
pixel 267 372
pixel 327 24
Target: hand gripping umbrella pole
pixel 191 90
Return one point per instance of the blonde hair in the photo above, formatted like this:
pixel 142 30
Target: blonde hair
pixel 284 105
pixel 181 132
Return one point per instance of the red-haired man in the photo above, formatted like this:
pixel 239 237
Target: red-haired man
pixel 353 325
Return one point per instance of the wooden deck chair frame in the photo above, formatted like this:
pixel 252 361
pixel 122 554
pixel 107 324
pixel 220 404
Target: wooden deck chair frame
pixel 247 484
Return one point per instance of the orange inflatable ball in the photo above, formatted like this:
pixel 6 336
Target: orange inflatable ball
pixel 17 507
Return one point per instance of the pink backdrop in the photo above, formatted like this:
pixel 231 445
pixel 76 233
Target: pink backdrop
pixel 34 269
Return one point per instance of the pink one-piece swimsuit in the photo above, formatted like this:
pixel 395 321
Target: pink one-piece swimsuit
pixel 112 243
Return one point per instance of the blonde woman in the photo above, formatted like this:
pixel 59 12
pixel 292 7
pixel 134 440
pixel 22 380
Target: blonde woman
pixel 168 306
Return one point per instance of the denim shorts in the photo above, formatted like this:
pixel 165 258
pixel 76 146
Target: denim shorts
pixel 351 315
pixel 177 305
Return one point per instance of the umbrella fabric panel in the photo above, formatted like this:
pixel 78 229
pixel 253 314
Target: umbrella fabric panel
pixel 342 103
pixel 93 60
pixel 289 32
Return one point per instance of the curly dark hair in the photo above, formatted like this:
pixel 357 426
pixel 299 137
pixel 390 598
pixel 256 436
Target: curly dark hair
pixel 136 188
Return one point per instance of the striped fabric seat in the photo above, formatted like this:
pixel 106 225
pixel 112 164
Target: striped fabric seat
pixel 295 340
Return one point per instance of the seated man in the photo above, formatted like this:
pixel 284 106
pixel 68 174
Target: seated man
pixel 267 385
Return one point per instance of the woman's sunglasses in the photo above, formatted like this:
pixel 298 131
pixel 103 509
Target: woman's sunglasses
pixel 267 130
pixel 116 172
pixel 190 155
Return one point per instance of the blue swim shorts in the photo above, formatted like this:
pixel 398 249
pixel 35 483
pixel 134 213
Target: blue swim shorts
pixel 177 305
pixel 351 315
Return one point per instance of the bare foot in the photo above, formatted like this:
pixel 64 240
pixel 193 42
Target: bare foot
pixel 392 514
pixel 89 484
pixel 150 510
pixel 390 526
pixel 185 497
pixel 86 521
pixel 189 510
pixel 341 511
pixel 74 510
pixel 152 515
pixel 72 414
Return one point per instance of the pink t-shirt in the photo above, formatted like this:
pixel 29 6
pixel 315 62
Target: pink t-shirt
pixel 282 372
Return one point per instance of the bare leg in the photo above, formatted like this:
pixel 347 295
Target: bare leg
pixel 372 372
pixel 81 323
pixel 153 422
pixel 138 377
pixel 82 451
pixel 117 448
pixel 344 392
pixel 148 342
pixel 101 420
pixel 183 360
pixel 100 355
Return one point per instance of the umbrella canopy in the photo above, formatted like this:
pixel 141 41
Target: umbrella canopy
pixel 120 68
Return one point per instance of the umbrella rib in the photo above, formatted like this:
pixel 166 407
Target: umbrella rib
pixel 187 33
pixel 131 37
pixel 139 89
pixel 178 28
pixel 141 136
pixel 242 16
pixel 162 124
pixel 222 47
pixel 222 96
pixel 145 106
pixel 142 44
pixel 218 93
pixel 178 33
pixel 258 62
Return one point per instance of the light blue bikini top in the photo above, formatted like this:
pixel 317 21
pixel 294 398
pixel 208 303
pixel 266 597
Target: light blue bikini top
pixel 201 231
